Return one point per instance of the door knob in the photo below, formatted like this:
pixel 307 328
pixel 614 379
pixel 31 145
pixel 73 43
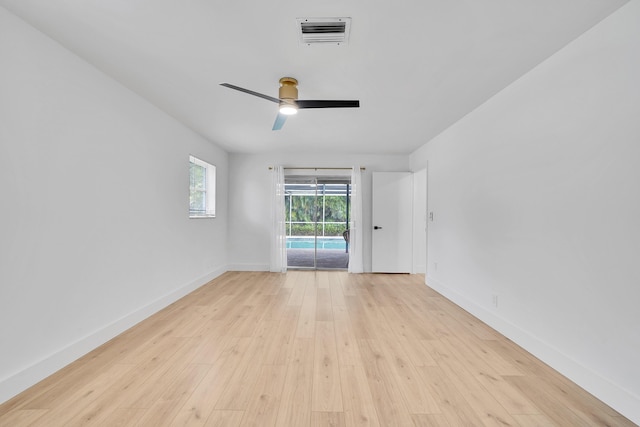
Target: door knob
pixel 376 227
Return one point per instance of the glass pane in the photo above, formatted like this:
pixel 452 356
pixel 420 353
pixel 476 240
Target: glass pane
pixel 197 202
pixel 301 227
pixel 197 189
pixel 316 216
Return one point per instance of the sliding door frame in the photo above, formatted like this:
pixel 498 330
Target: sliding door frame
pixel 316 181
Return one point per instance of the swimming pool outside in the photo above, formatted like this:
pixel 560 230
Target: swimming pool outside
pixel 321 243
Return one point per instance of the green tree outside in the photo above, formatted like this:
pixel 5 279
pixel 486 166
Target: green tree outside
pixel 306 209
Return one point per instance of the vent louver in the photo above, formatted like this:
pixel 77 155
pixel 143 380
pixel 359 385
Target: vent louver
pixel 324 30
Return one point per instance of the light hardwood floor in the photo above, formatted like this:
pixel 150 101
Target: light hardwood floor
pixel 309 349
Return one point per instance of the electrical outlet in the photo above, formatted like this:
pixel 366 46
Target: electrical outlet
pixel 430 216
pixel 494 299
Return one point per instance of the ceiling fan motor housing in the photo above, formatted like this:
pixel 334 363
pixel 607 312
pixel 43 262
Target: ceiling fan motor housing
pixel 288 89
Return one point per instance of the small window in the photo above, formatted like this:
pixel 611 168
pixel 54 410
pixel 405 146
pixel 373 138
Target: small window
pixel 202 189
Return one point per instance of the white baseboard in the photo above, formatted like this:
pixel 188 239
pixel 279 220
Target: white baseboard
pixel 619 399
pixel 15 384
pixel 248 267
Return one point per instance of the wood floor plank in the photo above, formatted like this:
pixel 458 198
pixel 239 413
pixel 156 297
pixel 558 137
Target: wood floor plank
pixel 291 279
pixel 362 328
pixel 123 417
pixel 164 409
pixel 349 285
pixel 298 288
pixel 302 352
pixel 322 280
pixel 462 353
pixel 452 404
pixel 620 421
pixel 374 316
pixel 247 326
pixel 336 289
pixel 556 382
pixel 273 282
pixel 430 420
pixel 210 348
pixel 346 343
pixel 417 352
pixel 511 399
pixel 324 310
pixel 387 395
pixel 279 348
pixel 224 419
pixel 482 350
pixel 307 317
pixel 533 420
pixel 148 380
pixel 160 345
pixel 327 419
pixel 295 404
pixel 488 409
pixel 326 393
pixel 405 323
pixel 202 401
pixel 359 407
pixel 379 294
pixel 134 389
pixel 73 403
pixel 477 328
pixel 417 398
pixel 278 304
pixel 553 404
pixel 264 400
pixel 238 389
pixel 192 323
pixel 309 349
pixel 22 417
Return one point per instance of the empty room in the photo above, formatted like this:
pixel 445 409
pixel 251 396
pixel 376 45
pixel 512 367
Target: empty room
pixel 290 213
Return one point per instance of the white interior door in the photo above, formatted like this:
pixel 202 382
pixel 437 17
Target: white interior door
pixel 392 218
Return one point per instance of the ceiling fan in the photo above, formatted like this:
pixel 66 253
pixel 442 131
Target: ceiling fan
pixel 289 102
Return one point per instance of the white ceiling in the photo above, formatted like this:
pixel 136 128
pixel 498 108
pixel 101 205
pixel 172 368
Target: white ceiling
pixel 417 66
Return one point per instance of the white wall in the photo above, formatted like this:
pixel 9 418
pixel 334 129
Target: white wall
pixel 536 200
pixel 94 224
pixel 249 199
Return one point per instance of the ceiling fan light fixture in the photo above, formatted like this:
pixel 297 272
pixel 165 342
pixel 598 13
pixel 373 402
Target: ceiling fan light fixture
pixel 288 109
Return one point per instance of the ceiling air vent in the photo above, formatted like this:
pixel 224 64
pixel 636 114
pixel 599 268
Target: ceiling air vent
pixel 324 30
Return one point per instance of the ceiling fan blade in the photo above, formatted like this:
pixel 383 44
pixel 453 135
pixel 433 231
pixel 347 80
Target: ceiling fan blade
pixel 326 104
pixel 250 92
pixel 280 119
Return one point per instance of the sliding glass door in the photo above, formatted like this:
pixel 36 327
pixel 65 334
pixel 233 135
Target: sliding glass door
pixel 317 220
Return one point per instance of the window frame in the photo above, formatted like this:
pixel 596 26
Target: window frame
pixel 209 190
